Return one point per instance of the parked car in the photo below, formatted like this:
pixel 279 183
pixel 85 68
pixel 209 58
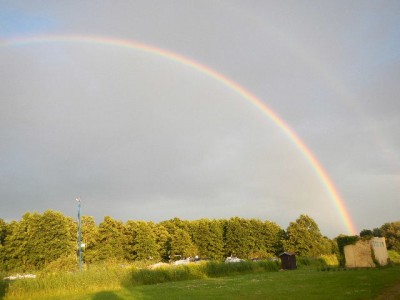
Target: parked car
pixel 233 259
pixel 182 262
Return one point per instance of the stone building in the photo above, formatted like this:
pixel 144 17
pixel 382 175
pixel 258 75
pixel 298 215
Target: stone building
pixel 363 253
pixel 379 249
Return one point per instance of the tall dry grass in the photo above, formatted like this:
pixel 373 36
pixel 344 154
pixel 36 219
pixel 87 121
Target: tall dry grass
pixel 114 276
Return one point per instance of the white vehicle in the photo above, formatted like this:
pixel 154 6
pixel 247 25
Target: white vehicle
pixel 181 262
pixel 232 259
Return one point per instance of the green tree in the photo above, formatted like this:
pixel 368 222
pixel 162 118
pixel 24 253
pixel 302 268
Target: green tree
pixel 208 238
pixel 56 232
pixel 3 234
pixel 239 240
pixel 304 237
pixel 366 233
pixel 145 246
pixel 391 232
pixel 3 231
pixel 112 239
pixel 252 238
pixel 130 235
pixel 16 249
pixel 176 223
pixel 267 237
pixel 37 240
pixel 377 232
pixel 273 236
pixel 181 244
pixel 90 238
pixel 162 239
pixel 142 241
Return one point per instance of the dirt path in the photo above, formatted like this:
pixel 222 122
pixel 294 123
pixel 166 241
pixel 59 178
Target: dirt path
pixel 392 293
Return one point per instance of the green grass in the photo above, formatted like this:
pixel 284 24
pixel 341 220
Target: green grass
pixel 210 281
pixel 299 284
pixel 198 271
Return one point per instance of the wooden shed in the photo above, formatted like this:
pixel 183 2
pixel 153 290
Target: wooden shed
pixel 288 261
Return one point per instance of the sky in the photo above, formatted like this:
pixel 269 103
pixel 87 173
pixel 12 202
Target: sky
pixel 140 136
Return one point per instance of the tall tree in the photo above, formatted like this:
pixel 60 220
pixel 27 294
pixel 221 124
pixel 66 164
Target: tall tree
pixel 208 238
pixel 90 238
pixel 39 239
pixel 145 243
pixel 181 244
pixel 391 232
pixel 56 231
pixel 273 236
pixel 176 223
pixel 3 231
pixel 142 241
pixel 112 239
pixel 3 234
pixel 238 240
pixel 162 239
pixel 304 237
pixel 366 233
pixel 130 235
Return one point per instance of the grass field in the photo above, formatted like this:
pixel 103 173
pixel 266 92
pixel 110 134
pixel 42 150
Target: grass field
pixel 309 282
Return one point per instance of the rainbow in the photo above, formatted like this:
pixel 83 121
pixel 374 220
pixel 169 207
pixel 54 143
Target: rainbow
pixel 129 44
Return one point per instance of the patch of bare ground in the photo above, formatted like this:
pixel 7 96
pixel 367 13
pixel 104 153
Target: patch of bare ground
pixel 392 293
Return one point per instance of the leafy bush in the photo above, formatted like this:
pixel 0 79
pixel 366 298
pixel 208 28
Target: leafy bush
pixel 343 241
pixel 216 269
pixel 198 271
pixel 179 273
pixel 330 260
pixel 394 256
pixel 63 264
pixel 318 262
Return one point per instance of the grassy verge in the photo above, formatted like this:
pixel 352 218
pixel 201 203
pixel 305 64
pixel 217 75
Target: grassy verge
pixel 299 284
pixel 58 284
pixel 198 271
pixel 105 277
pixel 258 280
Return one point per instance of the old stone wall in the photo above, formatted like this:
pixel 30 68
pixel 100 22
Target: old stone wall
pixel 380 251
pixel 359 255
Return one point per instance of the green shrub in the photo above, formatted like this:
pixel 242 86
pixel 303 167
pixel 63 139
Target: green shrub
pixel 311 262
pixel 268 266
pixel 198 271
pixel 343 241
pixel 178 273
pixel 216 269
pixel 62 264
pixel 330 260
pixel 327 263
pixel 394 256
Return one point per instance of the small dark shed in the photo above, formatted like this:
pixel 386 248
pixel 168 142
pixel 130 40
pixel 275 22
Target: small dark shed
pixel 288 260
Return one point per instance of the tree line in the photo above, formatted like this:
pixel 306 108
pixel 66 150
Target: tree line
pixel 40 239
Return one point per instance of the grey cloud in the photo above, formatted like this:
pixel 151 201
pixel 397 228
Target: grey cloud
pixel 138 136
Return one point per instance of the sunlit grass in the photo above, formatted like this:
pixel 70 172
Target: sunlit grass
pixel 250 280
pixel 298 284
pixel 116 276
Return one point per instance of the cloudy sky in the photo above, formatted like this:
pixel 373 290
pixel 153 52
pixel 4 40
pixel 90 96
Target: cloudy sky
pixel 140 136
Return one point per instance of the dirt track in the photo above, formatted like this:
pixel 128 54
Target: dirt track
pixel 392 293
